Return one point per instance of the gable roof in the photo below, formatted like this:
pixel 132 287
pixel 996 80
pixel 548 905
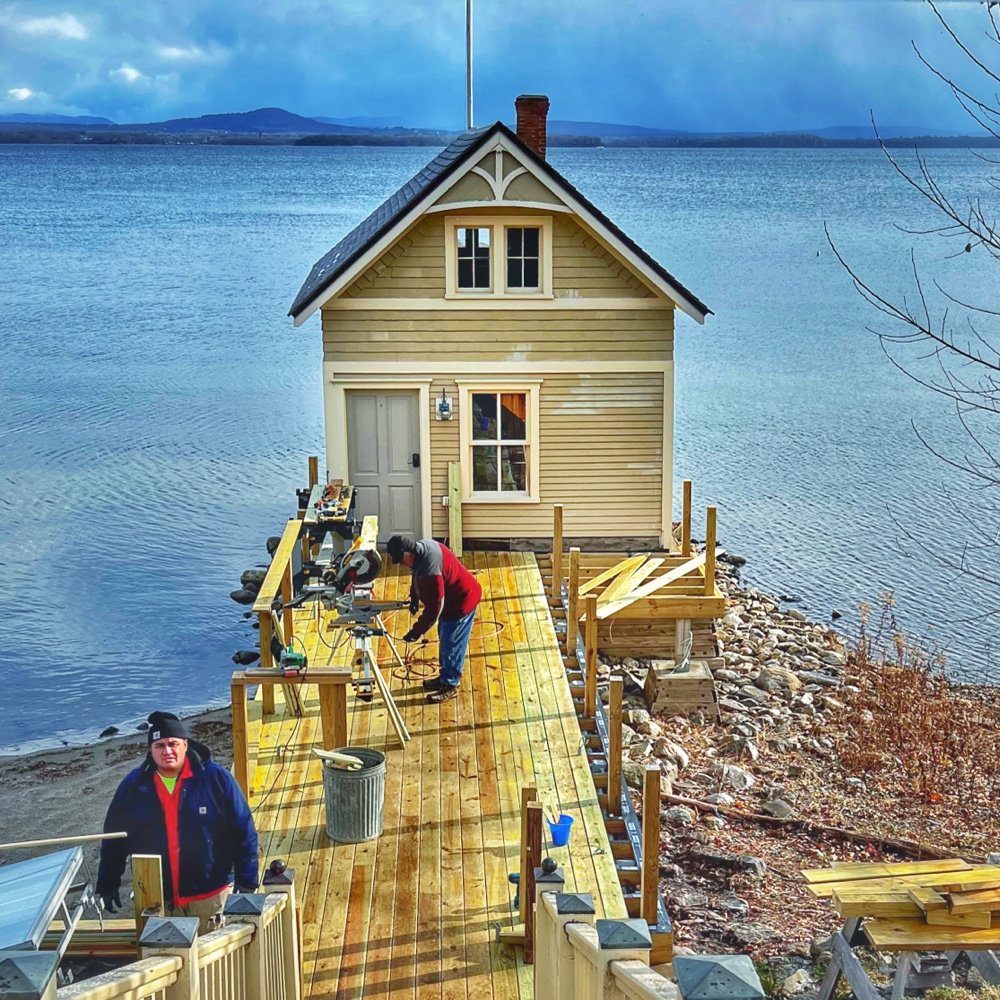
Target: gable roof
pixel 367 234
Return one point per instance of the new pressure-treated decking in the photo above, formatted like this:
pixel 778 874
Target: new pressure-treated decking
pixel 413 913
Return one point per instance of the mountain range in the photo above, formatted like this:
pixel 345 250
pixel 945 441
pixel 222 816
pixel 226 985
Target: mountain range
pixel 277 121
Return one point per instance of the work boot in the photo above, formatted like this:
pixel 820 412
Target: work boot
pixel 445 693
pixel 432 684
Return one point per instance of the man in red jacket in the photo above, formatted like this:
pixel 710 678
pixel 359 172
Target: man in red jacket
pixel 450 595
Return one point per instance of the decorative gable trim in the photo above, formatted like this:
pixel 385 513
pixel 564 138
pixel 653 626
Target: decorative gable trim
pixel 598 225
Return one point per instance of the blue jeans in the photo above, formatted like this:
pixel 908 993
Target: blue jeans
pixel 453 640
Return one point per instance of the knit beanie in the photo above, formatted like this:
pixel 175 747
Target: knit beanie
pixel 397 545
pixel 163 725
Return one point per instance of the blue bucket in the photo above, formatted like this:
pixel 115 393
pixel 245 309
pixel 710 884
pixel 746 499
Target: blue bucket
pixel 560 831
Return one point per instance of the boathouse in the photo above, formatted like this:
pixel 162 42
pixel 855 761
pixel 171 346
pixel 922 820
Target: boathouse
pixel 490 324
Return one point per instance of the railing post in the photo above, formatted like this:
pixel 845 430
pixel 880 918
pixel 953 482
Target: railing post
pixel 33 974
pixel 615 747
pixel 248 908
pixel 241 742
pixel 573 614
pixel 147 884
pixel 557 551
pixel 710 552
pixel 175 936
pixel 650 845
pixel 598 946
pixel 547 884
pixel 278 878
pixel 570 907
pixel 533 859
pixel 529 793
pixel 590 637
pixel 313 470
pixel 686 521
pixel 455 507
pixel 287 613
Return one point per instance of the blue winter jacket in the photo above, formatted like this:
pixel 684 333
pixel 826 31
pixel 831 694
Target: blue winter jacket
pixel 216 831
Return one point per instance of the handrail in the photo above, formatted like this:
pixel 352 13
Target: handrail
pixel 639 982
pixel 140 979
pixel 274 905
pixel 276 571
pixel 218 944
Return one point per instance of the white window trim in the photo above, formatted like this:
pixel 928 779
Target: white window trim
pixel 531 388
pixel 498 256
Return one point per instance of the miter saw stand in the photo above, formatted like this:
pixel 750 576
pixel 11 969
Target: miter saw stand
pixel 347 588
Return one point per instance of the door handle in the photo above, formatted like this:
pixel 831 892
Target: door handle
pixel 416 460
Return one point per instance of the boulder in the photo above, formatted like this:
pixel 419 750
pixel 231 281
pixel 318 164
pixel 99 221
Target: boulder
pixel 668 750
pixel 110 731
pixel 746 935
pixel 796 982
pixel 777 679
pixel 244 657
pixel 679 816
pixel 253 576
pixel 737 778
pixel 243 596
pixel 779 809
pixel 634 774
pixel 272 544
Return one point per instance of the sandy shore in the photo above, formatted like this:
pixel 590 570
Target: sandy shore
pixel 66 792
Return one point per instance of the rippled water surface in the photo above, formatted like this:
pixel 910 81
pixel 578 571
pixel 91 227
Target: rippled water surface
pixel 157 406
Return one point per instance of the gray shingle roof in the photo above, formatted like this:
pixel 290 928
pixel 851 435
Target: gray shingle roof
pixel 360 239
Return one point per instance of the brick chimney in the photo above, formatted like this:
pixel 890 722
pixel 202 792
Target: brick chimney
pixel 532 110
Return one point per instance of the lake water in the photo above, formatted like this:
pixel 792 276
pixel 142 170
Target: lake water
pixel 157 406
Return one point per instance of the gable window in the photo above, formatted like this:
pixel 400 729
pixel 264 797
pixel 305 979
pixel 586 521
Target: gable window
pixel 522 256
pixel 499 441
pixel 498 256
pixel 473 257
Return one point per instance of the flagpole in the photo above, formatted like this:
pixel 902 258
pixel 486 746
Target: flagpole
pixel 468 63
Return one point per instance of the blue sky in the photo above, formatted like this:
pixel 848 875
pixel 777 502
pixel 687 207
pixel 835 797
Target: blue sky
pixel 688 64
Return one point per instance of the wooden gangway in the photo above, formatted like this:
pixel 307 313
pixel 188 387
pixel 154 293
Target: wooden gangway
pixel 415 913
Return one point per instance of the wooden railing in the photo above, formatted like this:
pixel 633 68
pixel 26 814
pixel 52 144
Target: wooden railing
pixel 255 956
pixel 580 958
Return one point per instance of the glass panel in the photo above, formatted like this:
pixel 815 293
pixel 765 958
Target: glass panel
pixel 513 468
pixel 513 416
pixel 530 273
pixel 483 237
pixel 484 469
pixel 482 272
pixel 484 416
pixel 463 240
pixel 473 246
pixel 465 273
pixel 514 273
pixel 514 242
pixel 530 242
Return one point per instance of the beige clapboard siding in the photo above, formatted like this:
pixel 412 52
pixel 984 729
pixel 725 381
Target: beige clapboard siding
pixel 583 267
pixel 413 268
pixel 601 455
pixel 497 335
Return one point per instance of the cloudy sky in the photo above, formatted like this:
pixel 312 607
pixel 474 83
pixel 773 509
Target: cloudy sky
pixel 688 64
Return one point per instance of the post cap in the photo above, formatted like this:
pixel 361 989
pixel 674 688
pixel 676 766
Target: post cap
pixel 542 877
pixel 244 904
pixel 25 975
pixel 577 903
pixel 278 874
pixel 614 934
pixel 169 932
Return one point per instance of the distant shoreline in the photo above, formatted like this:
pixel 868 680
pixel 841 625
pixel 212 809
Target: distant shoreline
pixel 21 135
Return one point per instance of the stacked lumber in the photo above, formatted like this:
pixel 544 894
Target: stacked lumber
pixel 916 905
pixel 671 693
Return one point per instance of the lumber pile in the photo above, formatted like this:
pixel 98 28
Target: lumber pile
pixel 916 905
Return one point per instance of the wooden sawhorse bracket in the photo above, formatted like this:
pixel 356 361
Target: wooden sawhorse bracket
pixel 332 683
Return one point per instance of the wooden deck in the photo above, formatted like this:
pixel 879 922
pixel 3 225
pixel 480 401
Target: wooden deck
pixel 414 913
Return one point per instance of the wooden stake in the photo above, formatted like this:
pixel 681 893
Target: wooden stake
pixel 557 551
pixel 529 793
pixel 147 884
pixel 686 520
pixel 313 470
pixel 241 749
pixel 615 748
pixel 710 552
pixel 455 507
pixel 590 638
pixel 287 613
pixel 573 616
pixel 650 844
pixel 534 860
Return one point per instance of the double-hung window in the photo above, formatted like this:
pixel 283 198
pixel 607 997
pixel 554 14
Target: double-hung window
pixel 493 257
pixel 499 441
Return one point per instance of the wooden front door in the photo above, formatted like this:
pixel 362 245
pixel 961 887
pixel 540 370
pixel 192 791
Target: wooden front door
pixel 383 456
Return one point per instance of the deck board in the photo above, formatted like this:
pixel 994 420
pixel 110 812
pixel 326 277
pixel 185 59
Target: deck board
pixel 413 913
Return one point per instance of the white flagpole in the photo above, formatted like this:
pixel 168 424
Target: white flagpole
pixel 468 63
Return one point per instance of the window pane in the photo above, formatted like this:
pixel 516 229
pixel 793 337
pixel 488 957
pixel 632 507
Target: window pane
pixel 514 273
pixel 484 469
pixel 465 273
pixel 514 242
pixel 513 468
pixel 464 242
pixel 483 237
pixel 482 272
pixel 530 273
pixel 530 242
pixel 513 416
pixel 484 416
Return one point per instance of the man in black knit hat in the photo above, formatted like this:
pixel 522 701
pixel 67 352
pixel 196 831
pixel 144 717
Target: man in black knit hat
pixel 181 805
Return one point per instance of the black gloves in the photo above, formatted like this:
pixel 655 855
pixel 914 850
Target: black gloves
pixel 111 900
pixel 414 606
pixel 410 636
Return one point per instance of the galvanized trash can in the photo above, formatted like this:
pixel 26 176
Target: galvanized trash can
pixel 354 797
